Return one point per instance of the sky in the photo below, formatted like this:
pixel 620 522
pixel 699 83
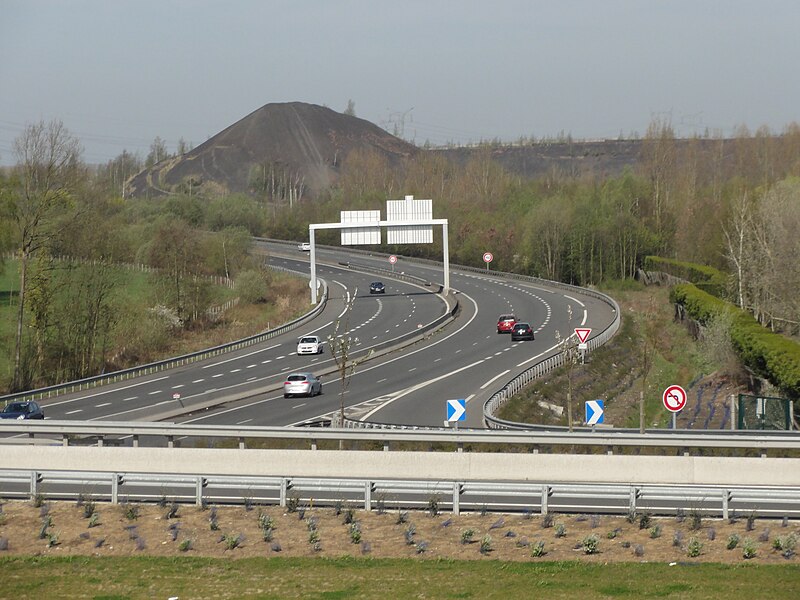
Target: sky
pixel 119 73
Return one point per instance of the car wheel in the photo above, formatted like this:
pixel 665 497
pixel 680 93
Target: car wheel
pixel 286 395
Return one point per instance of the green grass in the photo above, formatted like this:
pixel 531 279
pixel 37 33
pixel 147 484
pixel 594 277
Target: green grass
pixel 319 578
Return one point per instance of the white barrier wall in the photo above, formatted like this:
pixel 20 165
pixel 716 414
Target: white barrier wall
pixel 438 466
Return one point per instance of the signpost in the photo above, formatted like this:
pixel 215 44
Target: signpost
pixel 674 399
pixel 392 260
pixel 177 396
pixel 594 412
pixel 583 335
pixel 456 411
pixel 487 258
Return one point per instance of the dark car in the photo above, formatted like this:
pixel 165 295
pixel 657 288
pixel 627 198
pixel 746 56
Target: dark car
pixel 377 287
pixel 22 410
pixel 521 331
pixel 505 323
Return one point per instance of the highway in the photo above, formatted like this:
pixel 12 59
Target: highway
pixel 468 359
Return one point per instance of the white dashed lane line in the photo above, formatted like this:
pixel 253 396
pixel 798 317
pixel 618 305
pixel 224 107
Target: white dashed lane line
pixel 102 405
pixel 72 412
pixel 154 393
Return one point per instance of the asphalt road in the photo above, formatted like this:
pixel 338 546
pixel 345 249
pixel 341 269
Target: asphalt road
pixel 467 359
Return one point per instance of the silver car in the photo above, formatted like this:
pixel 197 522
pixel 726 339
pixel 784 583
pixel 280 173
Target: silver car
pixel 302 384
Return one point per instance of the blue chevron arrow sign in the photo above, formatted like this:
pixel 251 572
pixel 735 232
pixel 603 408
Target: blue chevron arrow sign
pixel 457 410
pixel 594 412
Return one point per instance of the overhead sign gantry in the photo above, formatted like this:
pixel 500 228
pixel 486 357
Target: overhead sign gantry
pixel 407 221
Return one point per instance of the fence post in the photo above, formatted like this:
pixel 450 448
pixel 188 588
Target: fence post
pixel 115 488
pixel 456 498
pixel 545 495
pixel 725 499
pixel 284 485
pixel 198 496
pixel 34 484
pixel 632 500
pixel 367 495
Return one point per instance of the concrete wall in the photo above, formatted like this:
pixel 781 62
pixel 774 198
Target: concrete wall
pixel 439 466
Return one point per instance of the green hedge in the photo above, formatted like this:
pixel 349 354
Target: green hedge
pixel 706 278
pixel 768 354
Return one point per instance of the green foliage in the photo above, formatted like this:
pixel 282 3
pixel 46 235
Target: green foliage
pixel 590 544
pixel 749 548
pixel 486 544
pixel 231 541
pixel 655 531
pixel 706 278
pixel 769 354
pixel 694 547
pixel 537 550
pixel 252 286
pixel 467 535
pixel 561 530
pixel 733 541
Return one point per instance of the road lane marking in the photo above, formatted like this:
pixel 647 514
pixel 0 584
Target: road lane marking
pixel 72 412
pixel 154 393
pixel 198 380
pixel 493 379
pixel 175 387
pixel 109 391
pixel 222 362
pixel 102 405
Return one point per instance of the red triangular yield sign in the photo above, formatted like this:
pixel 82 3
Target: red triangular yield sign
pixel 583 334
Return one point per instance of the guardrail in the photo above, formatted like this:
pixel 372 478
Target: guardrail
pixel 382 494
pixel 63 432
pixel 155 367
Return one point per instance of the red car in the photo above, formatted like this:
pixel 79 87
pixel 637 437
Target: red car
pixel 505 324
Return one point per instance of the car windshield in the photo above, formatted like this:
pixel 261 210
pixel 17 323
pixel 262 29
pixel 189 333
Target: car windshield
pixel 308 340
pixel 296 378
pixel 507 318
pixel 16 407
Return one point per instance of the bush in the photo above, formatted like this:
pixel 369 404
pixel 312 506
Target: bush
pixel 232 541
pixel 733 541
pixel 644 521
pixel 655 531
pixel 694 547
pixel 537 549
pixel 561 530
pixel 252 286
pixel 486 544
pixel 467 535
pixel 590 544
pixel 749 548
pixel 355 533
pixel 547 521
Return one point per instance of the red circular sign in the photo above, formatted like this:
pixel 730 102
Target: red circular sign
pixel 392 259
pixel 487 257
pixel 674 398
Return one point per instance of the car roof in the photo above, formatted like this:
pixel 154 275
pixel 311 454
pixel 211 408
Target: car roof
pixel 506 317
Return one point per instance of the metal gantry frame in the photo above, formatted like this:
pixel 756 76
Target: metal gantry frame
pixel 312 228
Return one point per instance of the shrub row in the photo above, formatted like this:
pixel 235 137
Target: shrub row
pixel 768 354
pixel 706 278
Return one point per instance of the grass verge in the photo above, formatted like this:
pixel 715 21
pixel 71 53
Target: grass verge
pixel 188 577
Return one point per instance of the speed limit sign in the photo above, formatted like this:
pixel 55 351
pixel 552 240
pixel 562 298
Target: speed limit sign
pixel 487 257
pixel 392 259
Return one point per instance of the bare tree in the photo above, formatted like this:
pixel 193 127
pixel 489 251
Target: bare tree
pixel 48 168
pixel 341 343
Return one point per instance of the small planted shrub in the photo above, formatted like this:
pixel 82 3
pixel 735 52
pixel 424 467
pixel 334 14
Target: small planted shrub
pixel 467 535
pixel 750 524
pixel 785 544
pixel 266 534
pixel 784 521
pixel 733 541
pixel 694 548
pixel 409 534
pixel 590 544
pixel 695 520
pixel 638 550
pixel 677 539
pixel 292 503
pixel 595 521
pixel 162 501
pixel 131 512
pixel 94 520
pixel 611 534
pixel 547 521
pixel 655 532
pixel 88 509
pixel 185 545
pixel 421 547
pixel 522 543
pixel 349 516
pixel 213 524
pixel 337 507
pixel 561 530
pixel 625 544
pixel 537 549
pixel 173 511
pixel 38 500
pixel 764 536
pixel 46 523
pixel 380 503
pixel 680 515
pixel 313 536
pixel 248 503
pixel 645 521
pixel 631 516
pixel 355 533
pixel 265 521
pixel 433 505
pixel 402 517
pixel 486 544
pixel 140 545
pixel 231 541
pixel 52 539
pixel 749 548
pixel 712 534
pixel 447 522
pixel 497 524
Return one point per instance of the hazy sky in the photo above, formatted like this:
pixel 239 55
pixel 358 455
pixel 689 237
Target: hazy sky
pixel 120 73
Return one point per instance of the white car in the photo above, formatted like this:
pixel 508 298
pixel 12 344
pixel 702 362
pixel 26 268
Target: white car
pixel 309 344
pixel 304 247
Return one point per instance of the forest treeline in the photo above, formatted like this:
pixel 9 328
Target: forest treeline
pixel 730 203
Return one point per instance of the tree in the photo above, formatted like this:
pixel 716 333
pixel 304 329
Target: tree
pixel 340 343
pixel 158 152
pixel 351 109
pixel 47 171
